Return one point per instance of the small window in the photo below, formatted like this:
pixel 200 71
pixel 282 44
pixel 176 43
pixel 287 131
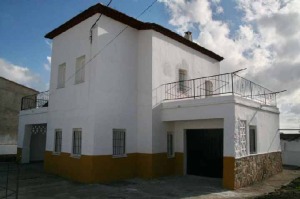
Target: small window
pixel 182 80
pixel 119 142
pixel 242 139
pixel 61 75
pixel 77 141
pixel 252 139
pixel 80 69
pixel 208 88
pixel 170 149
pixel 57 141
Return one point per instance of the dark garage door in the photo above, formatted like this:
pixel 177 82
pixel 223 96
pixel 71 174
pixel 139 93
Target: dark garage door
pixel 205 152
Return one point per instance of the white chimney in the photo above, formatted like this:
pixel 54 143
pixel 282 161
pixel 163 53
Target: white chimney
pixel 188 35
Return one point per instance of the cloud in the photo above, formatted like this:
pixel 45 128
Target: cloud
pixel 47 65
pixel 20 74
pixel 266 41
pixel 49 43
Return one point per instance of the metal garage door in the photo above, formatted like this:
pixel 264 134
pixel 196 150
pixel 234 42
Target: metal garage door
pixel 205 152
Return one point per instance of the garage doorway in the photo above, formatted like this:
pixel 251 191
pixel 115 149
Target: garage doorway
pixel 204 152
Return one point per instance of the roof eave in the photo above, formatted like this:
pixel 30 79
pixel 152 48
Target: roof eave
pixel 130 21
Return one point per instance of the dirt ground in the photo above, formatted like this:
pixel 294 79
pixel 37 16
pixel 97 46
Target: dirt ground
pixel 290 191
pixel 35 183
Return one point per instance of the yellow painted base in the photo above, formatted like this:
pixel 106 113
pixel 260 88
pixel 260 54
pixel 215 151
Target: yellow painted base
pixel 105 168
pixel 228 172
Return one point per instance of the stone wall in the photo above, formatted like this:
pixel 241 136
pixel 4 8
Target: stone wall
pixel 256 168
pixel 11 94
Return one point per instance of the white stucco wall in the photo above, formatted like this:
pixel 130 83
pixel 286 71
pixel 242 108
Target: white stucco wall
pixel 144 92
pixel 220 110
pixel 168 56
pixel 266 121
pixel 228 109
pixel 291 152
pixel 108 97
pixel 117 92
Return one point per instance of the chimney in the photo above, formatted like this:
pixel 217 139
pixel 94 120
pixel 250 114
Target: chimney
pixel 188 35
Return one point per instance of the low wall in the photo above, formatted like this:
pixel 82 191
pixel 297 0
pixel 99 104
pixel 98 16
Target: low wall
pixel 256 168
pixel 291 158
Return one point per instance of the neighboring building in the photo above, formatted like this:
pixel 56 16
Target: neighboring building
pixel 147 103
pixel 290 146
pixel 11 94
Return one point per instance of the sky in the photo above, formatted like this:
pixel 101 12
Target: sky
pixel 260 35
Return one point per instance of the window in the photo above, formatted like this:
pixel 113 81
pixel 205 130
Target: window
pixel 182 78
pixel 119 142
pixel 170 149
pixel 252 139
pixel 242 139
pixel 208 88
pixel 61 75
pixel 57 141
pixel 77 141
pixel 80 69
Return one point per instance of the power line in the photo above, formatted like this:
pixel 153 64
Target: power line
pixel 91 59
pixel 93 26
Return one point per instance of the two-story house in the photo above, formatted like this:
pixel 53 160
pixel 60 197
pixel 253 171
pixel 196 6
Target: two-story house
pixel 132 99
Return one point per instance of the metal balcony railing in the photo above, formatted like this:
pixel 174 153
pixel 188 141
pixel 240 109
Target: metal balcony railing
pixel 35 101
pixel 218 85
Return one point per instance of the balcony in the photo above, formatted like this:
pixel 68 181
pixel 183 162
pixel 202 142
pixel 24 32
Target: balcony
pixel 216 85
pixel 35 101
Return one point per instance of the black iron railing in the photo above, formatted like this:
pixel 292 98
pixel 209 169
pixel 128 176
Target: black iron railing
pixel 35 101
pixel 218 85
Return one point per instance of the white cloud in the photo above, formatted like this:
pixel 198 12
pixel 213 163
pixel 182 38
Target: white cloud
pixel 219 10
pixel 47 65
pixel 20 74
pixel 49 43
pixel 266 42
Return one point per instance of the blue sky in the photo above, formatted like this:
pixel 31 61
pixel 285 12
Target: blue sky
pixel 260 35
pixel 23 25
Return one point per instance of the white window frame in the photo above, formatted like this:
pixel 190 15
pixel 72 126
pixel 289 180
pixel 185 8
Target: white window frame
pixel 119 143
pixel 80 70
pixel 56 139
pixel 61 75
pixel 75 148
pixel 170 145
pixel 252 127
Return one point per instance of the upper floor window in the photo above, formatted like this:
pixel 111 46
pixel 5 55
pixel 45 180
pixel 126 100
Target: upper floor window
pixel 208 88
pixel 80 70
pixel 182 79
pixel 61 75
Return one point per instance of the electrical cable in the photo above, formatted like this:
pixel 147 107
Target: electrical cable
pixel 107 44
pixel 93 26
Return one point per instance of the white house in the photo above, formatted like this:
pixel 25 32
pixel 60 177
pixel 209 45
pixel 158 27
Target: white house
pixel 133 99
